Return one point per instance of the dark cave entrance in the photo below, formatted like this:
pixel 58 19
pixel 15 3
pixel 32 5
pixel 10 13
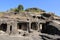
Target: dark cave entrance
pixel 3 27
pixel 34 26
pixel 22 26
pixel 11 28
pixel 43 28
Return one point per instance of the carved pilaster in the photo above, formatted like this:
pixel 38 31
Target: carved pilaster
pixel 40 27
pixel 14 28
pixel 8 28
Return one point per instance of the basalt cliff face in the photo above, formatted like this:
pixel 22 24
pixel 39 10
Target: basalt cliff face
pixel 29 26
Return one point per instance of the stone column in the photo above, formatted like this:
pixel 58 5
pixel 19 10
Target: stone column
pixel 29 27
pixel 14 28
pixel 40 27
pixel 8 28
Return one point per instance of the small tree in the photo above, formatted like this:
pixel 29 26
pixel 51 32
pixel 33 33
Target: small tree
pixel 20 7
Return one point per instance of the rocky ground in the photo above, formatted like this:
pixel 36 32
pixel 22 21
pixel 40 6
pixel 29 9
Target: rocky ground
pixel 34 36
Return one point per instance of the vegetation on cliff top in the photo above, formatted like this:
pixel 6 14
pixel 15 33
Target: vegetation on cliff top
pixel 20 8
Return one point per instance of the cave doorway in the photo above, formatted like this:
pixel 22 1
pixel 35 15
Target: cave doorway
pixel 34 26
pixel 22 26
pixel 11 29
pixel 3 27
pixel 43 28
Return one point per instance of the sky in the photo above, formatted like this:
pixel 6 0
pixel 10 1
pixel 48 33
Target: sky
pixel 48 5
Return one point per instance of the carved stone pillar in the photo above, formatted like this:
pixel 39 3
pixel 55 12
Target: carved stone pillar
pixel 29 27
pixel 8 28
pixel 14 28
pixel 40 27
